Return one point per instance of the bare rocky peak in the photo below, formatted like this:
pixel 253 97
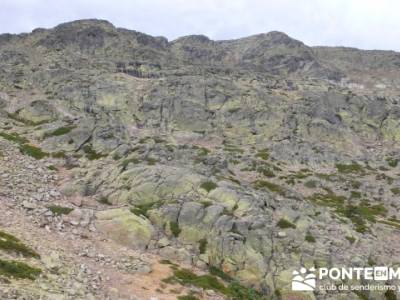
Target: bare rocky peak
pixel 274 53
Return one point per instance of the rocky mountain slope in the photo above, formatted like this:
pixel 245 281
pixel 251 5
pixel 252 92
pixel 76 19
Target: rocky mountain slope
pixel 244 158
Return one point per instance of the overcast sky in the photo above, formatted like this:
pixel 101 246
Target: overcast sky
pixel 366 24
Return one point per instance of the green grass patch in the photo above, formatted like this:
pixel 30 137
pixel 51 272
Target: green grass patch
pixel 158 140
pixel 207 282
pixel 167 262
pixel 301 174
pixel 390 295
pixel 151 161
pixel 284 224
pixel 60 131
pixel 355 195
pixel 359 214
pixel 234 290
pixel 174 226
pixel 203 246
pixel 203 151
pixel 13 137
pixel 326 177
pixel 330 199
pixel 219 273
pixel 15 116
pixel 310 238
pixel 350 239
pixel 395 191
pixel 311 184
pixel 238 292
pixel 261 184
pixel 208 186
pixel 350 168
pixel 18 270
pixel 393 223
pixel 266 172
pixel 392 162
pixel 263 154
pixel 206 203
pixel 355 184
pixel 59 210
pixel 142 209
pixel 232 148
pixel 10 243
pixel 58 154
pixel 104 200
pixel 91 154
pixel 32 151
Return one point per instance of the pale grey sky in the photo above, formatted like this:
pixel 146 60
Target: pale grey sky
pixel 366 24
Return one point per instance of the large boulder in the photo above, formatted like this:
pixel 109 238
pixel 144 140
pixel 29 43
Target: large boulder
pixel 125 227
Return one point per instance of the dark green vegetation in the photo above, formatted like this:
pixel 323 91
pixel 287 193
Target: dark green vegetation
pixel 91 154
pixel 33 151
pixel 58 154
pixel 260 184
pixel 350 168
pixel 311 184
pixel 15 116
pixel 310 238
pixel 151 161
pixel 59 210
pixel 10 243
pixel 142 209
pixel 203 151
pixel 187 297
pixel 392 162
pixel 174 226
pixel 104 200
pixel 18 270
pixel 219 273
pixel 13 137
pixel 208 186
pixel 60 131
pixel 232 289
pixel 390 295
pixel 166 262
pixel 358 214
pixel 52 168
pixel 330 199
pixel 284 224
pixel 263 154
pixel 395 191
pixel 203 246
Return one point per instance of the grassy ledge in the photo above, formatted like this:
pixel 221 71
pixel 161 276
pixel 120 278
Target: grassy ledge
pixel 11 244
pixel 18 270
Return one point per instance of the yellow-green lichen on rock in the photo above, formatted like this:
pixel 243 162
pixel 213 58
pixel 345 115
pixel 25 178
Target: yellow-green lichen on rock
pixel 224 196
pixel 125 227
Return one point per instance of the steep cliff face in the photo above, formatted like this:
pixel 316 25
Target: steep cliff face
pixel 268 153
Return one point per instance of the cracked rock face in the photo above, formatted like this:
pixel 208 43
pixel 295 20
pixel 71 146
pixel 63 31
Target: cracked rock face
pixel 255 155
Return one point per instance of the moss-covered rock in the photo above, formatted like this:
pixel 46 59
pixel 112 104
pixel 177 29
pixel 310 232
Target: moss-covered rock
pixel 125 227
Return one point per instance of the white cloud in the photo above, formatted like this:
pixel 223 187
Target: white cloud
pixel 367 24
